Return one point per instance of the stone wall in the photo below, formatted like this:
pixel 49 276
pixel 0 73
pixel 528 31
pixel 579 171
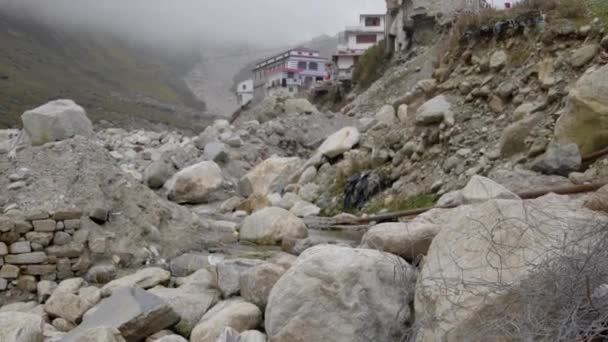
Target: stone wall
pixel 40 245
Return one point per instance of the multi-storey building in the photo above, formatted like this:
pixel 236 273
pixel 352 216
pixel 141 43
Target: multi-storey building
pixel 292 71
pixel 354 41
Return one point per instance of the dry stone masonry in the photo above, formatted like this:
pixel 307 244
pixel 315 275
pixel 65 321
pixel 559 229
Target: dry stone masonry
pixel 44 246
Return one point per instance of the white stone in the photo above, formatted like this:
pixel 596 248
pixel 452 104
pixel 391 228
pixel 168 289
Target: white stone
pixel 338 143
pixel 195 184
pixel 55 121
pixel 270 225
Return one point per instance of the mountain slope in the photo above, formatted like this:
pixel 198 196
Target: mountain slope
pixel 112 80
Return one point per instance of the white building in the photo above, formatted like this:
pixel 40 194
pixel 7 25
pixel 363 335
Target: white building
pixel 354 41
pixel 244 92
pixel 292 71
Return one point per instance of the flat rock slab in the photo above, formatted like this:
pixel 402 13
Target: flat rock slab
pixel 136 313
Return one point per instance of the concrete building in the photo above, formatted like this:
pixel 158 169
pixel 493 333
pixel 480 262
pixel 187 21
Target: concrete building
pixel 244 92
pixel 293 71
pixel 353 43
pixel 405 17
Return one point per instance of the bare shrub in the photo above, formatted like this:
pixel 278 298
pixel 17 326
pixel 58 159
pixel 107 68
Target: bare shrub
pixel 558 293
pixel 561 301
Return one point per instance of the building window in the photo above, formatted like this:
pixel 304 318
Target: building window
pixel 302 65
pixel 319 79
pixel 310 54
pixel 244 87
pixel 372 21
pixel 366 39
pixel 290 75
pixel 313 66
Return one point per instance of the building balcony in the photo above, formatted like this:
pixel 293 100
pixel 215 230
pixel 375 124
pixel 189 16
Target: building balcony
pixel 365 29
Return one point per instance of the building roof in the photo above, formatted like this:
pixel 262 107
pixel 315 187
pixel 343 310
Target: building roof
pixel 285 54
pixel 372 15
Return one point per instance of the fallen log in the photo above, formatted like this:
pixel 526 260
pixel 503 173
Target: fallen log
pixel 566 190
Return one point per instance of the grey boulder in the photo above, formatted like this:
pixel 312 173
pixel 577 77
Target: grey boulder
pixel 55 121
pixel 352 295
pixel 134 312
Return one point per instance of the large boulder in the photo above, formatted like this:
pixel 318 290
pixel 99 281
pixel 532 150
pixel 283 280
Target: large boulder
pixel 477 259
pixel 338 143
pixel 272 173
pixel 583 55
pixel 136 313
pixel 20 327
pixel 233 313
pixel 560 159
pixel 195 296
pixel 256 283
pixel 586 120
pixel 349 294
pixel 513 138
pixel 195 184
pixel 229 274
pixel 270 225
pixel 408 240
pixel 157 173
pixel 435 111
pixel 55 121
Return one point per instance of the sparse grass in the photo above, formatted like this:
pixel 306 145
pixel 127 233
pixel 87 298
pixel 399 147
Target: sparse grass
pixel 518 56
pixel 599 8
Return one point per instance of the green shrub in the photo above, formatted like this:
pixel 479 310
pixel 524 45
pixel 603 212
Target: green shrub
pixel 371 66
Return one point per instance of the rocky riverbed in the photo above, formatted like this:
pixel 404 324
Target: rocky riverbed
pixel 248 231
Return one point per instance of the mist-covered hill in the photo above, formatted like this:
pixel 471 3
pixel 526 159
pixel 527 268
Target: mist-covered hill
pixel 116 81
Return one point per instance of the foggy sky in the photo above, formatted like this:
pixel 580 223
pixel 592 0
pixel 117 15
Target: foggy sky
pixel 216 22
